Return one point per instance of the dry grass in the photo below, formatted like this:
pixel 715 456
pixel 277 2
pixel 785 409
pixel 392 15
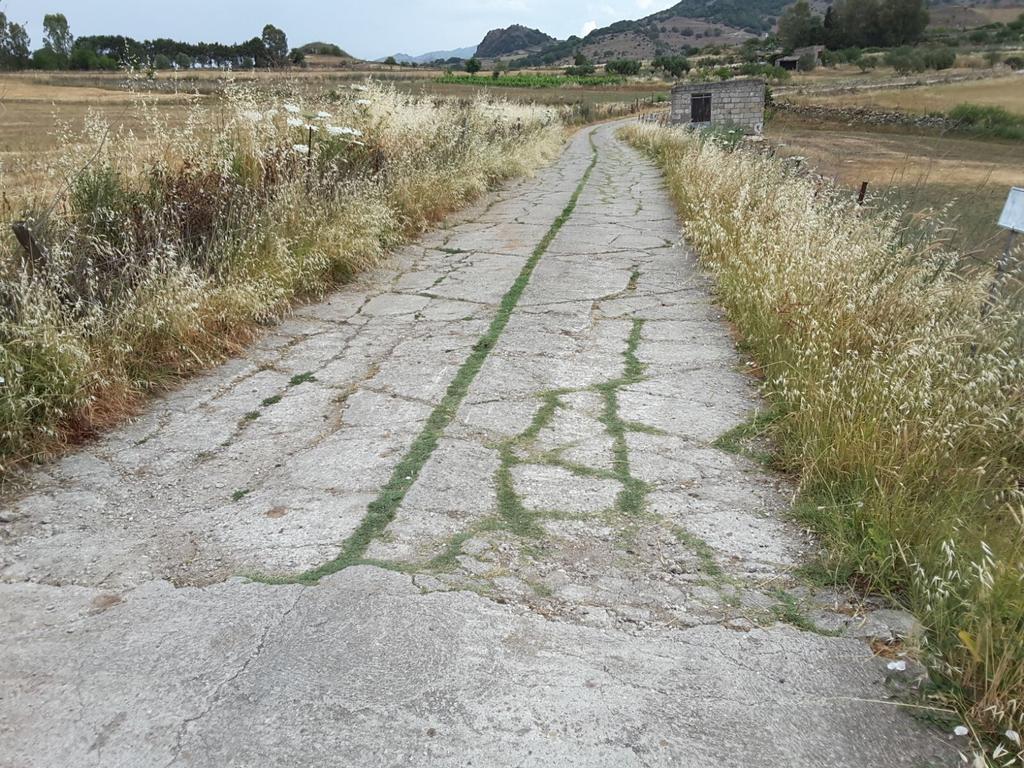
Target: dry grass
pixel 165 248
pixel 966 179
pixel 1006 92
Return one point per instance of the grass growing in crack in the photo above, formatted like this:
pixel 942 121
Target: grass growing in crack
pixel 634 491
pixel 513 514
pixel 272 400
pixel 382 510
pixel 738 439
pixel 301 378
pixel 699 547
pixel 240 494
pixel 788 611
pixel 249 417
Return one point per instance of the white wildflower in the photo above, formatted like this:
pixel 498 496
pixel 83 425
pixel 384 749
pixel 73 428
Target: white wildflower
pixel 323 115
pixel 291 108
pixel 363 102
pixel 302 149
pixel 362 88
pixel 335 130
pixel 252 115
pixel 294 122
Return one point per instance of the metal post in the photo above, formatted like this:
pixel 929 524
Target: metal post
pixel 863 193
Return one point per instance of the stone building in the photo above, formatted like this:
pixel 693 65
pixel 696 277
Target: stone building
pixel 730 103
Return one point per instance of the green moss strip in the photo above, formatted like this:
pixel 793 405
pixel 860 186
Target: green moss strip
pixel 382 510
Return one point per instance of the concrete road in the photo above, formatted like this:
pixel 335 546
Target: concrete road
pixel 468 511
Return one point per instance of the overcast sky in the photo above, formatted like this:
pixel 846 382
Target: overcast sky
pixel 367 28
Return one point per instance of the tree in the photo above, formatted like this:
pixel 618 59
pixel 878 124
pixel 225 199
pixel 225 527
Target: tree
pixel 473 65
pixel 57 35
pixel 799 27
pixel 878 23
pixel 276 44
pixel 623 67
pixel 14 44
pixel 183 61
pixel 390 61
pixel 902 21
pixel 676 66
pixel 162 61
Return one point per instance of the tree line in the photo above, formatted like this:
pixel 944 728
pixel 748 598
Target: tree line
pixel 855 23
pixel 61 50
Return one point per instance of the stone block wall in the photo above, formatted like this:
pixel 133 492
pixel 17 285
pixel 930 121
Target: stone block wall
pixel 738 103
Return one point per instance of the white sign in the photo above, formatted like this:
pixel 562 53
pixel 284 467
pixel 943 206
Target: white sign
pixel 1013 213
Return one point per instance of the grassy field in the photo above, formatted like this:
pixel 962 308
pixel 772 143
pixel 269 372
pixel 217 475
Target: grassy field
pixel 963 180
pixel 40 111
pixel 1006 92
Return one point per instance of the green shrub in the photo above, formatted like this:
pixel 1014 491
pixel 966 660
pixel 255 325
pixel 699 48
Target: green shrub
pixel 627 67
pixel 989 121
pixel 676 66
pixel 905 60
pixel 938 57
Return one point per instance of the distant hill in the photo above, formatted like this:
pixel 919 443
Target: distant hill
pixel 687 24
pixel 957 14
pixel 502 42
pixel 323 49
pixel 432 56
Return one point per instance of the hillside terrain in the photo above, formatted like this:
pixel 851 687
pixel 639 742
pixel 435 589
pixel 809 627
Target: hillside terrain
pixel 513 39
pixel 699 24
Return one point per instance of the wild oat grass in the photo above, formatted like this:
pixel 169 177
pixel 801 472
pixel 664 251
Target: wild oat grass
pixel 161 255
pixel 899 406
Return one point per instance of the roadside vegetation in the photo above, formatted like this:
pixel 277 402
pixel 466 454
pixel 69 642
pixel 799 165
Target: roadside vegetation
pixel 988 121
pixel 142 259
pixel 897 401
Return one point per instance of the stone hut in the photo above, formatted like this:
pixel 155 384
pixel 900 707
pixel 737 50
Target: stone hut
pixel 730 103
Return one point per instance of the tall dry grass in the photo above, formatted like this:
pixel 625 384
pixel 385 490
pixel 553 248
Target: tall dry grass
pixel 896 402
pixel 161 255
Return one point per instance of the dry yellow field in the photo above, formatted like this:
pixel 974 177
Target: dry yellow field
pixel 965 180
pixel 1006 92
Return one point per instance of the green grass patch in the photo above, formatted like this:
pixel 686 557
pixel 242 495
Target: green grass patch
pixel 699 547
pixel 738 439
pixel 994 122
pixel 301 378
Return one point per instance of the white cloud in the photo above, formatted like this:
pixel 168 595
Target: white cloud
pixel 589 27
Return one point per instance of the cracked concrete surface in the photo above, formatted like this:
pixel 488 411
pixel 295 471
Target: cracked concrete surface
pixel 575 575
